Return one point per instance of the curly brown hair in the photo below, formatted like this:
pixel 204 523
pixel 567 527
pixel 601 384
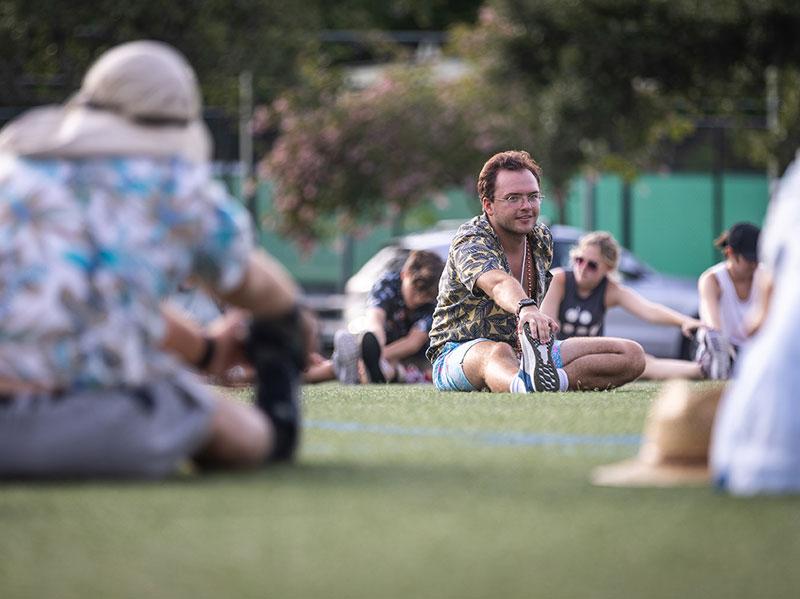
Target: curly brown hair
pixel 511 160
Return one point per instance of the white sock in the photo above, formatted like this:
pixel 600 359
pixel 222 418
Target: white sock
pixel 517 384
pixel 563 379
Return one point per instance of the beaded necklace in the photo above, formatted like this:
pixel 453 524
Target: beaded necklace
pixel 527 273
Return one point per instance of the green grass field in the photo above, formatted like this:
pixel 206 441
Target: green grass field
pixel 406 492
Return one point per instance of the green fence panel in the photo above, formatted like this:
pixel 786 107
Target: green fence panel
pixel 608 206
pixel 745 199
pixel 319 267
pixel 670 222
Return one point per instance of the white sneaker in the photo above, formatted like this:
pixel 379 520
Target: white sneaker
pixel 715 354
pixel 537 362
pixel 345 357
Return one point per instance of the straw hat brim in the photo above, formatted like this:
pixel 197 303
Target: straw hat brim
pixel 637 473
pixel 72 131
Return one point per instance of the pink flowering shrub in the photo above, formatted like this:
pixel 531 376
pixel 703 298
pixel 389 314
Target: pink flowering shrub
pixel 358 157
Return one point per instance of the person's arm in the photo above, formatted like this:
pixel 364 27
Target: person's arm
pixel 406 346
pixel 627 298
pixel 213 350
pixel 551 304
pixel 709 291
pixel 266 290
pixel 507 292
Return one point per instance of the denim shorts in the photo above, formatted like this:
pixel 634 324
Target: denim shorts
pixel 448 368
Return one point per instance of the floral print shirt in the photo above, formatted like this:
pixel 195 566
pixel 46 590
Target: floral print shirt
pixel 90 248
pixel 463 311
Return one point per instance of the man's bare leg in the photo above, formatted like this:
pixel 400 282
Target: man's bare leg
pixel 601 362
pixel 491 364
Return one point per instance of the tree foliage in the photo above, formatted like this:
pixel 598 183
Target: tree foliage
pixel 615 79
pixel 359 156
pixel 47 46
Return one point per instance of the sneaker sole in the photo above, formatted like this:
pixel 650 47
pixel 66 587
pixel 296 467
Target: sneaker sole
pixel 537 362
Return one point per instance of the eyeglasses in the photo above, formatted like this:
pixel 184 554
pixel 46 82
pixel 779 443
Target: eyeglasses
pixel 590 264
pixel 513 199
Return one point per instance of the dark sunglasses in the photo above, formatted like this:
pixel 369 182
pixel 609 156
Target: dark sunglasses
pixel 590 264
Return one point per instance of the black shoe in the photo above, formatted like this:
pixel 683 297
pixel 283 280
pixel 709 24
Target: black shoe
pixel 371 355
pixel 275 347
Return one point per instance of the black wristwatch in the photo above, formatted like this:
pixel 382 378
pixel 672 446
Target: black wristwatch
pixel 524 303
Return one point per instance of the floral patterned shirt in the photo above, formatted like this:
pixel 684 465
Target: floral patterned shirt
pixel 89 249
pixel 386 294
pixel 463 311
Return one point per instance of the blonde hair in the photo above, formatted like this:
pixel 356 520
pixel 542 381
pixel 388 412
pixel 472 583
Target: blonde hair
pixel 604 242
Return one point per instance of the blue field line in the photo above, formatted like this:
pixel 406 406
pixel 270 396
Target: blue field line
pixel 482 437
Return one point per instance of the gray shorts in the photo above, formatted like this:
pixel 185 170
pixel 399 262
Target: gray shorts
pixel 145 432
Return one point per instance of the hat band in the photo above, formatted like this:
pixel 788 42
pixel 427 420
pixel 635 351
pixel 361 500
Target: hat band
pixel 684 461
pixel 146 121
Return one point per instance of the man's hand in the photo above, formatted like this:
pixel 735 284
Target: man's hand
pixel 542 326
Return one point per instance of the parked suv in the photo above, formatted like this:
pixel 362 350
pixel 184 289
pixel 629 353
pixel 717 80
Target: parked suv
pixel 679 293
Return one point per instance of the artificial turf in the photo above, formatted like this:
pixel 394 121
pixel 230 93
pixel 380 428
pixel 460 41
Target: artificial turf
pixel 407 492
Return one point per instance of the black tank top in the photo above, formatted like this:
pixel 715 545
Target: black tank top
pixel 582 317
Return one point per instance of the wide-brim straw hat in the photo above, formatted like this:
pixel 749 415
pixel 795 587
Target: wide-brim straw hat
pixel 675 445
pixel 138 99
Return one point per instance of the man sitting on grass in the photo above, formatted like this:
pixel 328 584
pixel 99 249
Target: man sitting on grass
pixel 488 331
pixel 107 206
pixel 399 316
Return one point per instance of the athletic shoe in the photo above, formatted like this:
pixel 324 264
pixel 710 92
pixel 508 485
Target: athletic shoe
pixel 371 355
pixel 345 357
pixel 537 362
pixel 715 355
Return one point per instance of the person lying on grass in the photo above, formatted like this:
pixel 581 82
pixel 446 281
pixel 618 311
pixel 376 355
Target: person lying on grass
pixel 106 206
pixel 488 331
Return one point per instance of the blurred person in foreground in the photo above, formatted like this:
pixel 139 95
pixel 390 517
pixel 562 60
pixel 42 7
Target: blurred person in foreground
pixel 579 298
pixel 106 206
pixel 398 321
pixel 488 331
pixel 729 292
pixel 756 439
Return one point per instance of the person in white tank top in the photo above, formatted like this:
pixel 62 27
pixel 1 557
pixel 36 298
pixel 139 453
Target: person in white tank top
pixel 729 290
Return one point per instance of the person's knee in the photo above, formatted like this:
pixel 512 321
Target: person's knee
pixel 240 437
pixel 502 352
pixel 635 359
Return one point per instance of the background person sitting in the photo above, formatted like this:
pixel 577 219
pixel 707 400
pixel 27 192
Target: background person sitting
pixel 398 319
pixel 579 298
pixel 729 294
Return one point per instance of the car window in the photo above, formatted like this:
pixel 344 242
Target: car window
pixel 561 252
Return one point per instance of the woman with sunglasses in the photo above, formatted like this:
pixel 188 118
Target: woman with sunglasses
pixel 579 297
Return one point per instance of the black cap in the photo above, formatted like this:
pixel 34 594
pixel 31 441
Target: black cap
pixel 743 240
